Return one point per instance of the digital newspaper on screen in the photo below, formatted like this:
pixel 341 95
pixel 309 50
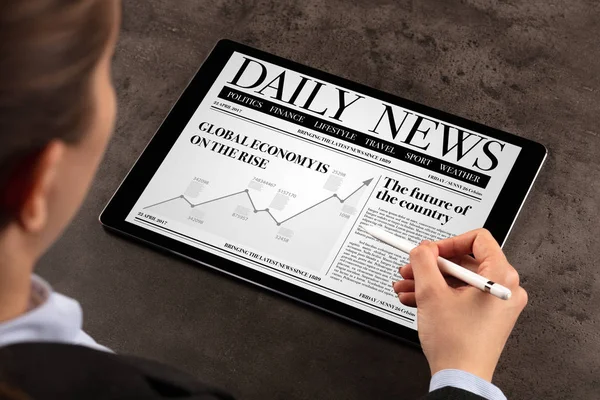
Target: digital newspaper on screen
pixel 280 172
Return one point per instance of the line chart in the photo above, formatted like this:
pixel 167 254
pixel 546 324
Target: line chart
pixel 306 235
pixel 246 192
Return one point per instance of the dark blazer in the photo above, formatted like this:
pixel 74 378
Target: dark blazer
pixel 40 371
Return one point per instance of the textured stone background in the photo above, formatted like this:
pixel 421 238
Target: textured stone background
pixel 530 67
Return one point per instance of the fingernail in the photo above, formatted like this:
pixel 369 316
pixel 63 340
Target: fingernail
pixel 426 242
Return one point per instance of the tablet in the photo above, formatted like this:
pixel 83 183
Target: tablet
pixel 269 170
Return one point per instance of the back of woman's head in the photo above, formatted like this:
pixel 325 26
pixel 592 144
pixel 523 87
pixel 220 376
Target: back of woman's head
pixel 48 52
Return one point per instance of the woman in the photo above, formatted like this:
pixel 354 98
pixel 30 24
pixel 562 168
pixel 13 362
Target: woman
pixel 57 112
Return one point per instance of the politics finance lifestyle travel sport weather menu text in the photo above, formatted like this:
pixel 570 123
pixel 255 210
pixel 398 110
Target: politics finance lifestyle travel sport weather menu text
pixel 279 172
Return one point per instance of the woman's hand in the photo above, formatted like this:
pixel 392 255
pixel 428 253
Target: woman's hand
pixel 460 326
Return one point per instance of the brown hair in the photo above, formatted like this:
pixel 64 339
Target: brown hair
pixel 48 52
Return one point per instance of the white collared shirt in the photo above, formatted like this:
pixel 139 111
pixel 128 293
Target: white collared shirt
pixel 51 317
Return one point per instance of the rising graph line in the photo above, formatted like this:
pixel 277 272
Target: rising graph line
pixel 166 201
pixel 266 210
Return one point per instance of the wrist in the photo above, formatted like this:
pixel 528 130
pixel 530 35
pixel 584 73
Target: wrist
pixel 465 381
pixel 484 372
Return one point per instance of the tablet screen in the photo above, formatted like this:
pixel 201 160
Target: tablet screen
pixel 279 172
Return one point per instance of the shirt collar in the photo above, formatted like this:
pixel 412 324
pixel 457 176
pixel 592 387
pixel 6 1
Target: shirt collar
pixel 51 317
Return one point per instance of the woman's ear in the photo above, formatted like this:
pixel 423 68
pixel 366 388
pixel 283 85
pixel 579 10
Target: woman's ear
pixel 36 185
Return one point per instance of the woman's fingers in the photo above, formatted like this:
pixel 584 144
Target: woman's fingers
pixel 408 299
pixel 404 285
pixel 489 261
pixel 466 261
pixel 405 288
pixel 408 285
pixel 406 272
pixel 478 242
pixel 500 272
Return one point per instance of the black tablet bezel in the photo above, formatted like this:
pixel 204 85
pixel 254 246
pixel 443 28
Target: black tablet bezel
pixel 499 222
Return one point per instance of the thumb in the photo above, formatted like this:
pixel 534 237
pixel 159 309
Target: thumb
pixel 428 276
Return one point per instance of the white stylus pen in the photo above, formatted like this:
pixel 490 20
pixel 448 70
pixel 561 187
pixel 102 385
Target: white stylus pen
pixel 446 266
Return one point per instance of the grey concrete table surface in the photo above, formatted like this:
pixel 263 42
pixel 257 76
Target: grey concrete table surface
pixel 530 67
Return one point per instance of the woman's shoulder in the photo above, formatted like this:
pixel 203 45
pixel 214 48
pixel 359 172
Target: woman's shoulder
pixel 66 371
